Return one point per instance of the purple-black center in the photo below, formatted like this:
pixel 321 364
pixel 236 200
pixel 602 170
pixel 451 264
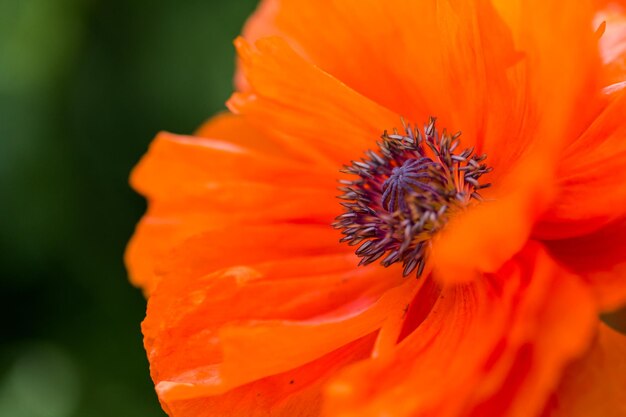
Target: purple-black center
pixel 400 196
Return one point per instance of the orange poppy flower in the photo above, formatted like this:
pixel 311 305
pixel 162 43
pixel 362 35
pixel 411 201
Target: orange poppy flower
pixel 254 307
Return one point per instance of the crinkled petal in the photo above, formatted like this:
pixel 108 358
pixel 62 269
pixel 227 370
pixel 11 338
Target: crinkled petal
pixel 236 130
pixel 560 97
pixel 493 74
pixel 222 247
pixel 496 346
pixel 295 393
pixel 294 101
pixel 199 184
pixel 417 58
pixel 281 345
pixel 243 324
pixel 177 164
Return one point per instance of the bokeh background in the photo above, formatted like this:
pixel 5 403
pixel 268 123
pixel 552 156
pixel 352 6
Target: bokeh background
pixel 84 86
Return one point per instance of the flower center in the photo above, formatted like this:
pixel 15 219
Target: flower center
pixel 405 193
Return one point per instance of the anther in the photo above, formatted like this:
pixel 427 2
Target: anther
pixel 405 193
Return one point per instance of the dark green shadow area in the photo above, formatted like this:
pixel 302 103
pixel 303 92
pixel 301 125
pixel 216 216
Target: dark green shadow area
pixel 84 87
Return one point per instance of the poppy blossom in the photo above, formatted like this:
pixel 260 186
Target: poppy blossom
pixel 479 150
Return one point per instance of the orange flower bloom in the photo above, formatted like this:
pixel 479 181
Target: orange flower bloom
pixel 254 307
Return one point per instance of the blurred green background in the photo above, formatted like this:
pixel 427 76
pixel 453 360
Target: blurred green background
pixel 84 87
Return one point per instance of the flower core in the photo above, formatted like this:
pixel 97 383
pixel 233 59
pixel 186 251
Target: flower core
pixel 405 193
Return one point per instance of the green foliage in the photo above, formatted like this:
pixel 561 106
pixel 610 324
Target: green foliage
pixel 84 86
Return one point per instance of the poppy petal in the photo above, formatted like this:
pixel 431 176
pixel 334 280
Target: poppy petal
pixel 600 258
pixel 613 44
pixel 526 156
pixel 253 350
pixel 594 385
pixel 236 130
pixel 197 184
pixel 295 393
pixel 505 82
pixel 254 322
pixel 591 191
pixel 220 247
pixel 178 164
pixel 401 58
pixel 473 243
pixel 306 108
pixel 558 88
pixel 496 346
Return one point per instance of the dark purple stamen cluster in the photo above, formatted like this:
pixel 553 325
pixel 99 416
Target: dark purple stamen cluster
pixel 405 193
